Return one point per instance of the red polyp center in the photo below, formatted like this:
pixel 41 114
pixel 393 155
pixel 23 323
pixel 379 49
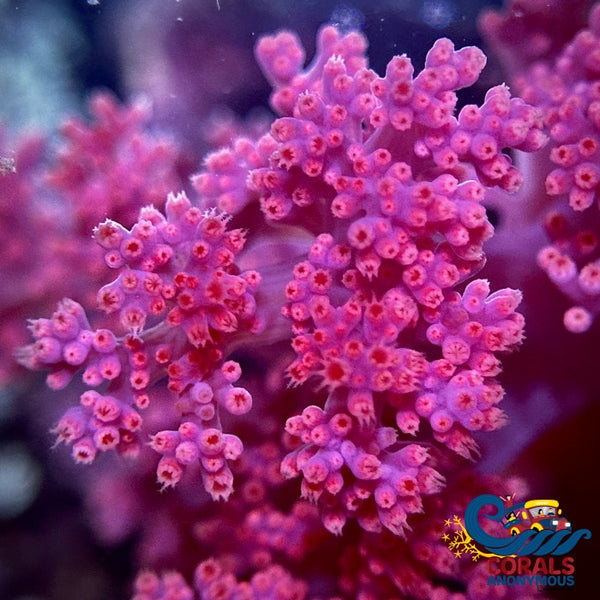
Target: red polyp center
pixel 376 311
pixel 212 440
pixel 409 485
pixel 133 247
pixel 465 401
pixel 335 372
pixel 107 439
pixel 379 356
pixel 288 154
pixel 167 475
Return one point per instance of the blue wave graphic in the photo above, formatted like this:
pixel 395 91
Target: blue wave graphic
pixel 531 541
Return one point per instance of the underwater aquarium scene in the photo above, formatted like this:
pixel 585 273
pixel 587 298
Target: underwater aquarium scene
pixel 299 300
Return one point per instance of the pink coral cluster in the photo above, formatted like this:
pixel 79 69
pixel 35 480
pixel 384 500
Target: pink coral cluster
pixel 565 86
pixel 571 117
pixel 354 228
pixel 25 224
pixel 396 247
pixel 53 200
pixel 212 582
pixel 114 164
pixel 178 296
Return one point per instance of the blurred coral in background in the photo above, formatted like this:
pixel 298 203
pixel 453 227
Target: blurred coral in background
pixel 284 337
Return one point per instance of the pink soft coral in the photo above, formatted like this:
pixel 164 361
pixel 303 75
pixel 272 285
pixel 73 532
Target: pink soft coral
pixel 564 85
pixel 373 188
pixel 53 196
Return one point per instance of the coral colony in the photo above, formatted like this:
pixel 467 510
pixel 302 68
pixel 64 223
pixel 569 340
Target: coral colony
pixel 354 228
